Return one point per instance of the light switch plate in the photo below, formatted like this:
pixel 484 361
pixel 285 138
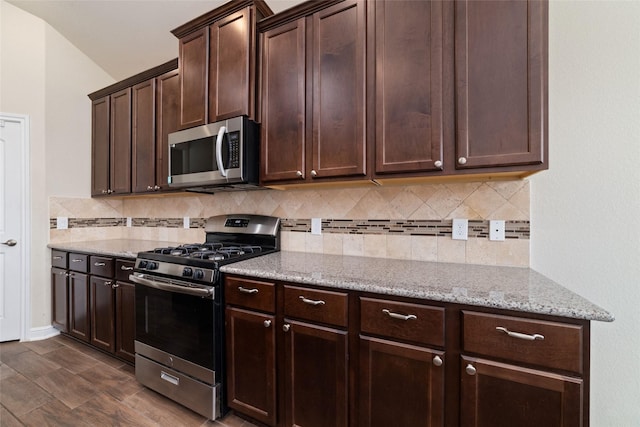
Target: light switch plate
pixel 62 222
pixel 316 226
pixel 496 230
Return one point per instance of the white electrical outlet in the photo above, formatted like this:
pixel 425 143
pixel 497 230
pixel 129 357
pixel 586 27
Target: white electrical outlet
pixel 316 226
pixel 460 229
pixel 186 222
pixel 128 221
pixel 496 230
pixel 62 222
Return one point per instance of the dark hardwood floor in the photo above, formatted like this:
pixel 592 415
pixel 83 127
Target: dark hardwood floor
pixel 60 382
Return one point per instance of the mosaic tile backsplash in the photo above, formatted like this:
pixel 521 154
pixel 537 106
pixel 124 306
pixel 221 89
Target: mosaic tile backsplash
pixel 407 222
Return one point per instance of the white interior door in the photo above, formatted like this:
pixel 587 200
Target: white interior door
pixel 13 139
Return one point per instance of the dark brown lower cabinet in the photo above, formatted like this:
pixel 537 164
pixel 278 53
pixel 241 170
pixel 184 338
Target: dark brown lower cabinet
pixel 60 299
pixel 125 312
pixel 79 311
pixel 102 313
pixel 400 384
pixel 495 394
pixel 316 372
pixel 251 363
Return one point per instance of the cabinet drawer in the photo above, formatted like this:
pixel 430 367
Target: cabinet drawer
pixel 59 259
pixel 250 294
pixel 316 305
pixel 556 345
pixel 101 266
pixel 124 268
pixel 78 262
pixel 403 321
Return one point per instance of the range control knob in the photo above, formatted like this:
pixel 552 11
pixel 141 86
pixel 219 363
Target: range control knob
pixel 187 271
pixel 152 265
pixel 199 274
pixel 143 264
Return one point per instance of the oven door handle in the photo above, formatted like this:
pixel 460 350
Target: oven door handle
pixel 199 292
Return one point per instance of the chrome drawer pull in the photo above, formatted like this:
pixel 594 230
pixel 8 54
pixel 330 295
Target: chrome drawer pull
pixel 437 361
pixel 266 323
pixel 470 369
pixel 99 264
pixel 76 260
pixel 57 257
pixel 247 291
pixel 311 302
pixel 169 378
pixel 520 335
pixel 125 268
pixel 399 316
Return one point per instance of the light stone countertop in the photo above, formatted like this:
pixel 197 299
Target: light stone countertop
pixel 126 248
pixel 511 288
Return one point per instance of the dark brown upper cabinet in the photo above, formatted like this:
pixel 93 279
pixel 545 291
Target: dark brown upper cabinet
pixel 217 54
pixel 155 115
pixel 131 120
pixel 501 83
pixel 111 144
pixel 409 91
pixel 144 135
pixel 313 107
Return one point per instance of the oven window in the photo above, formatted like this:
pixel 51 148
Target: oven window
pixel 179 324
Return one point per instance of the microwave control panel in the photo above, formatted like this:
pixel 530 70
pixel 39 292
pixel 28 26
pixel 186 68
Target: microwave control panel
pixel 234 149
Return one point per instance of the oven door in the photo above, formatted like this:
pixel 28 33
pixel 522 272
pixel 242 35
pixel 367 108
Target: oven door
pixel 178 324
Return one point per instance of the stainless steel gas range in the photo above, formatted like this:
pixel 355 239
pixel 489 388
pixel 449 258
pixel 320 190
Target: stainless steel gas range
pixel 180 309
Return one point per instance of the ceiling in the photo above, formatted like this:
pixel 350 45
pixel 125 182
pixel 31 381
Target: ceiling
pixel 125 37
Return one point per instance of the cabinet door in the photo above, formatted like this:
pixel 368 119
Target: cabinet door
pixel 283 142
pixel 400 384
pixel 120 151
pixel 409 88
pixel 193 78
pixel 79 318
pixel 125 321
pixel 100 126
pixel 167 121
pixel 59 299
pixel 230 64
pixel 500 395
pixel 339 91
pixel 143 139
pixel 102 313
pixel 501 82
pixel 251 369
pixel 316 372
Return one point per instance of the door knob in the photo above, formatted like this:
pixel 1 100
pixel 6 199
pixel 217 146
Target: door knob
pixel 10 242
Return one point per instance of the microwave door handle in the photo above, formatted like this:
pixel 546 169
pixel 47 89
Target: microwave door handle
pixel 221 133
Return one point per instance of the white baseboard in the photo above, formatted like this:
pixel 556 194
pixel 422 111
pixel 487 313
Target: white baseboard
pixel 42 333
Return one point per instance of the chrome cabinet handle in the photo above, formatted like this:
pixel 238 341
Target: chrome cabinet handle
pixel 470 369
pixel 399 316
pixel 125 268
pixel 311 302
pixel 462 160
pixel 437 163
pixel 57 257
pixel 437 361
pixel 10 242
pixel 286 327
pixel 299 174
pixel 314 173
pixel 99 264
pixel 266 323
pixel 109 283
pixel 76 260
pixel 156 187
pixel 169 378
pixel 520 335
pixel 247 291
pixel 149 188
pixel 114 286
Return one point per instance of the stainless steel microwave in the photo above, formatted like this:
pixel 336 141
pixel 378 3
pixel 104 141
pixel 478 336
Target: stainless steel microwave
pixel 219 156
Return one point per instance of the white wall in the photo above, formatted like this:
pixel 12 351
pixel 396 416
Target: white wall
pixel 42 75
pixel 585 210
